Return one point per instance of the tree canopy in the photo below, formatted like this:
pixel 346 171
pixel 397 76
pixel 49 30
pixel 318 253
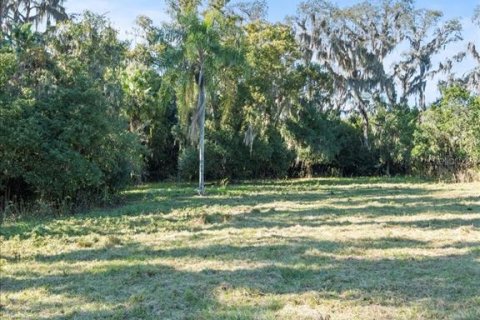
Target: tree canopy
pixel 220 93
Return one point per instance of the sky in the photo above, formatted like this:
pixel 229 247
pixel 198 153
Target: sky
pixel 123 13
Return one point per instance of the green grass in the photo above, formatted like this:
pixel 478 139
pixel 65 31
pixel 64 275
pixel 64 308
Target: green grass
pixel 301 249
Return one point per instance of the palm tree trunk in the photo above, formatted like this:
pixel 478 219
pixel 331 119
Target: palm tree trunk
pixel 201 144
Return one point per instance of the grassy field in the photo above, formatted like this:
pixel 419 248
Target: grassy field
pixel 302 249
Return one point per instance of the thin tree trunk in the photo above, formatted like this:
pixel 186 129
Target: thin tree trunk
pixel 366 127
pixel 28 9
pixel 364 114
pixel 201 144
pixel 423 104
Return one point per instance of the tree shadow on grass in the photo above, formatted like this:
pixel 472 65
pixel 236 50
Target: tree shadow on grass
pixel 344 202
pixel 162 201
pixel 287 249
pixel 396 211
pixel 328 181
pixel 136 283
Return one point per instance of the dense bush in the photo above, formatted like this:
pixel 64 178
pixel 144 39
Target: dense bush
pixel 354 157
pixel 62 139
pixel 310 134
pixel 66 145
pixel 392 136
pixel 227 156
pixel 215 162
pixel 150 108
pixel 447 140
pixel 327 145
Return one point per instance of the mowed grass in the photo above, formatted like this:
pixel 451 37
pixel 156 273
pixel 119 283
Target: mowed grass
pixel 301 249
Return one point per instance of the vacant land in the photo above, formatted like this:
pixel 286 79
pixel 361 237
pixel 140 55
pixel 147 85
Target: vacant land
pixel 302 249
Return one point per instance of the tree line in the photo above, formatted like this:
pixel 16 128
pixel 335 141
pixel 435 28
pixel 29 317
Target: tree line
pixel 219 92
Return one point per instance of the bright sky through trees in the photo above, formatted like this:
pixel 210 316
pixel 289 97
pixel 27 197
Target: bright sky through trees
pixel 124 12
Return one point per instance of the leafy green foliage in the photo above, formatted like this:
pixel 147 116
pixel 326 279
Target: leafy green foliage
pixel 311 134
pixel 447 139
pixel 62 139
pixel 152 114
pixel 392 132
pixel 228 157
pixel 82 113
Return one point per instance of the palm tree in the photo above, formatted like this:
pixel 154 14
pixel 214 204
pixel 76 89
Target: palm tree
pixel 35 11
pixel 196 50
pixel 49 10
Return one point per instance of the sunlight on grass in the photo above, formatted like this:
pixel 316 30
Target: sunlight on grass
pixel 302 249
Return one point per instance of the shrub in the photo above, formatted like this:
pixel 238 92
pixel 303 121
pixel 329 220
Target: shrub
pixel 328 145
pixel 63 140
pixel 392 133
pixel 226 156
pixel 447 140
